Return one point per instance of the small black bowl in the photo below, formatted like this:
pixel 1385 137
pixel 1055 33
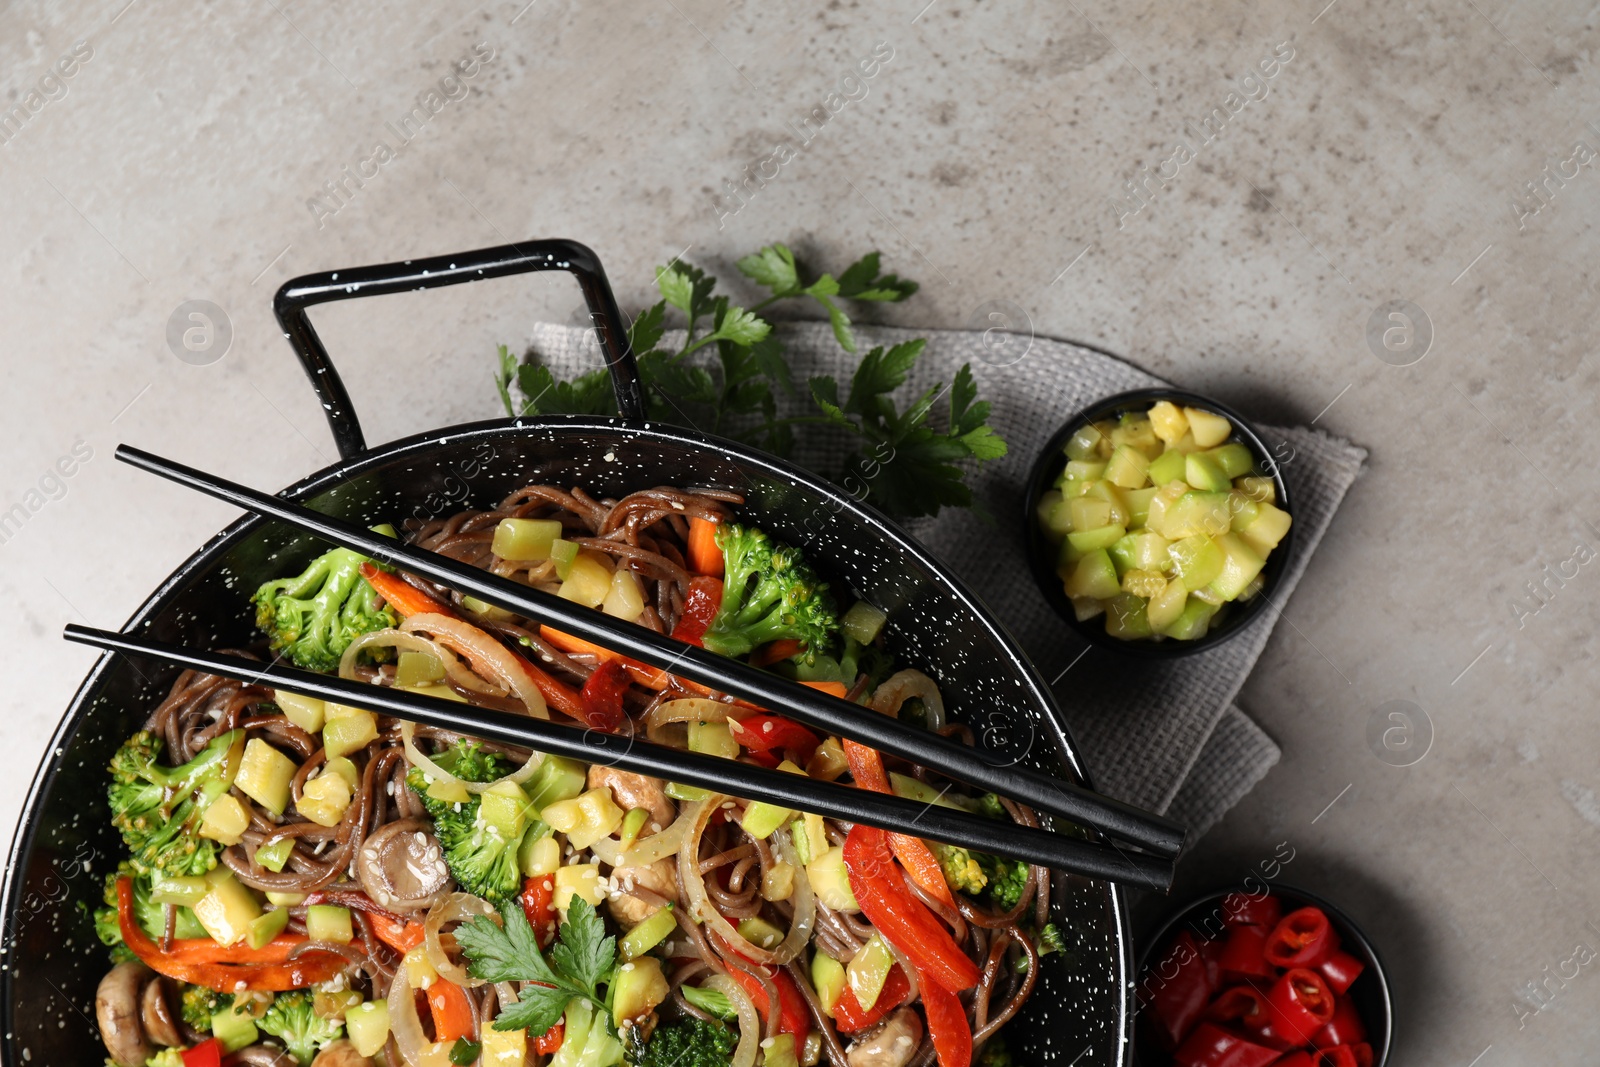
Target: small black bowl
pixel 1203 915
pixel 1041 554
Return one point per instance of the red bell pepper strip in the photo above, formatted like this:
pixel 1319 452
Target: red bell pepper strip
pixel 602 696
pixel 794 1017
pixel 1175 989
pixel 1242 1004
pixel 452 1011
pixel 766 733
pixel 1337 1056
pixel 201 961
pixel 550 1040
pixel 704 555
pixel 405 598
pixel 700 606
pixel 1242 909
pixel 1341 970
pixel 905 922
pixel 1301 1004
pixel 850 1017
pixel 947 1024
pixel 866 767
pixel 1345 1028
pixel 1212 1046
pixel 207 1053
pixel 1244 955
pixel 1302 938
pixel 539 905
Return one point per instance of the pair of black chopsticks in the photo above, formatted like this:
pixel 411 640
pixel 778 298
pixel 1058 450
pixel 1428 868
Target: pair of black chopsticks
pixel 1114 819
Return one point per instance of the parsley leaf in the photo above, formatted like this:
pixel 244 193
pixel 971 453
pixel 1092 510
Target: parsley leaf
pixel 583 958
pixel 773 267
pixel 583 950
pixel 862 281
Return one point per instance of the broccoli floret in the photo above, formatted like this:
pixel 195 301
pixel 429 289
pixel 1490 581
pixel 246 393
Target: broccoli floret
pixel 199 1004
pixel 989 806
pixel 292 1020
pixel 152 917
pixel 312 618
pixel 964 873
pixel 769 593
pixel 1006 877
pixel 690 1043
pixel 167 1057
pixel 1050 940
pixel 480 858
pixel 995 1053
pixel 158 809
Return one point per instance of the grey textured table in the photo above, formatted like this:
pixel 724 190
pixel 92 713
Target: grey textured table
pixel 1231 196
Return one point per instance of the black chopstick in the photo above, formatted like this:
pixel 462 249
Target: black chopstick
pixel 975 766
pixel 719 775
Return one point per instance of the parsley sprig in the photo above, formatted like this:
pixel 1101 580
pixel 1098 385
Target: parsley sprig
pixel 727 375
pixel 583 958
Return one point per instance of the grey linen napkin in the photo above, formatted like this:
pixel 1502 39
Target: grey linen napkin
pixel 1161 734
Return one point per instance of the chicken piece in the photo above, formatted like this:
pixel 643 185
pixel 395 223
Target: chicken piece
pixel 660 876
pixel 891 1044
pixel 631 790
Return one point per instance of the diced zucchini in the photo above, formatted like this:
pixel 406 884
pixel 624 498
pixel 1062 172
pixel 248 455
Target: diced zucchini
pixel 578 879
pixel 1167 467
pixel 759 932
pixel 1209 430
pixel 828 979
pixel 1209 596
pixel 1244 510
pixel 1121 553
pixel 1042 511
pixel 265 775
pixel 419 968
pixel 1139 505
pixel 525 539
pixel 348 730
pixel 1079 471
pixel 564 553
pixel 1088 513
pixel 1143 583
pixel 505 808
pixel 1240 565
pixel 1085 608
pixel 655 929
pixel 1270 524
pixel 1125 617
pixel 1262 490
pixel 484 610
pixel 449 791
pixel 1196 512
pixel 539 854
pixel 1166 496
pixel 285 900
pixel 828 762
pixel 227 909
pixel 267 926
pixel 679 791
pixel 176 889
pixel 334 1003
pixel 325 799
pixel 761 819
pixel 417 668
pixel 1104 490
pixel 1095 576
pixel 1203 472
pixel 1168 421
pixel 810 836
pixel 863 622
pixel 830 881
pixel 443 692
pixel 625 599
pixel 1165 607
pixel 304 712
pixel 1150 551
pixel 1073 488
pixel 344 769
pixel 502 1048
pixel 1136 430
pixel 329 922
pixel 225 820
pixel 558 778
pixel 638 988
pixel 584 819
pixel 1086 443
pixel 234 1030
pixel 633 823
pixel 1196 561
pixel 368 1026
pixel 779 1051
pixel 589 579
pixel 867 971
pixel 1184 445
pixel 1088 540
pixel 1193 621
pixel 1234 458
pixel 714 739
pixel 1128 468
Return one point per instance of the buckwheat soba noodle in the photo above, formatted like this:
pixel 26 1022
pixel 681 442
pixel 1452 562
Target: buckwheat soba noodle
pixel 312 883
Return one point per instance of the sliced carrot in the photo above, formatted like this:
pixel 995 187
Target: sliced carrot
pixel 704 555
pixel 400 594
pixel 652 677
pixel 452 1011
pixel 866 767
pixel 777 652
pixel 833 689
pixel 397 934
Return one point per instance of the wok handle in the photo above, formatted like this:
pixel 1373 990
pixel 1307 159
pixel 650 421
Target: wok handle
pixel 299 294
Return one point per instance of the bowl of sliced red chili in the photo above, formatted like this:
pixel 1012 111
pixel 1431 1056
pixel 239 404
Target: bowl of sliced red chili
pixel 1283 979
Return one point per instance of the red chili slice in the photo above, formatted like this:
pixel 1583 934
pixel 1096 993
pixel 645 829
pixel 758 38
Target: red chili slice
pixel 1341 970
pixel 700 606
pixel 1302 938
pixel 1243 1005
pixel 1301 1004
pixel 1176 990
pixel 1244 954
pixel 1243 909
pixel 1337 1056
pixel 1345 1028
pixel 1212 1046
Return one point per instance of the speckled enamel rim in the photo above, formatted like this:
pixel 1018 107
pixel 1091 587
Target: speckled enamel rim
pixel 419 448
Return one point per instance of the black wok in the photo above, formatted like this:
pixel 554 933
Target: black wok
pixel 64 845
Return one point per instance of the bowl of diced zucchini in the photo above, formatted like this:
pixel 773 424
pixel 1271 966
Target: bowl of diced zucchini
pixel 1157 522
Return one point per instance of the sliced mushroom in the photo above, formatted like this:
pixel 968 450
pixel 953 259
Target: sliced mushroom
pixel 340 1054
pixel 116 1008
pixel 402 867
pixel 661 876
pixel 636 791
pixel 155 1011
pixel 263 1056
pixel 892 1044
